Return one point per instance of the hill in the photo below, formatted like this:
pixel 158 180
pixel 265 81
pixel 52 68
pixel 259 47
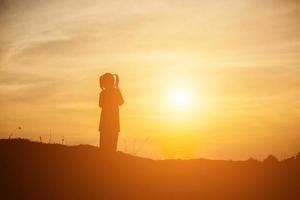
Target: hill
pixel 32 170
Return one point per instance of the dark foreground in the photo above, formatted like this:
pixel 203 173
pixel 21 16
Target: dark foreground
pixel 30 170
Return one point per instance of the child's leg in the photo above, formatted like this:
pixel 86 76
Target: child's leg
pixel 114 141
pixel 109 141
pixel 104 141
pixel 99 139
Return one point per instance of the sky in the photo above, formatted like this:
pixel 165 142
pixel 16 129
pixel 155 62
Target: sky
pixel 236 61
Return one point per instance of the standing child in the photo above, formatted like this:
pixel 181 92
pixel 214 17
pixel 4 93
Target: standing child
pixel 110 99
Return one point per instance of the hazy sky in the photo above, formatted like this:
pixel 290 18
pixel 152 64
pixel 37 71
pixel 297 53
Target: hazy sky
pixel 239 60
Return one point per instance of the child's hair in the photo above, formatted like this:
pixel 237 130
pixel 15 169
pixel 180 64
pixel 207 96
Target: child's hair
pixel 107 80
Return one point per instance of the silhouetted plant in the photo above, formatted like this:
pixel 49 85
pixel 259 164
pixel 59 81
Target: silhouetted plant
pixel 135 149
pixel 298 156
pixel 13 131
pixel 271 160
pixel 290 159
pixel 125 145
pixel 252 160
pixel 50 137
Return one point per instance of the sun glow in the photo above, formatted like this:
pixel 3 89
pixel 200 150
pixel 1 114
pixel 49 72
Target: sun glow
pixel 181 98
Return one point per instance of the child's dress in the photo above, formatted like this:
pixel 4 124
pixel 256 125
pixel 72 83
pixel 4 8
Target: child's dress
pixel 110 99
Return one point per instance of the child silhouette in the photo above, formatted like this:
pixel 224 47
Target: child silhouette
pixel 110 99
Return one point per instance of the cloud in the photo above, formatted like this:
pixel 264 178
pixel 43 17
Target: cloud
pixel 263 81
pixel 26 88
pixel 71 29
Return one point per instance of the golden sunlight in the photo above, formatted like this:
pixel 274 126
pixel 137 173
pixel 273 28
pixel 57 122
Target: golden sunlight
pixel 181 98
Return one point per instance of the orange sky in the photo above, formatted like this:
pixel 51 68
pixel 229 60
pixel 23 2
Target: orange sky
pixel 237 59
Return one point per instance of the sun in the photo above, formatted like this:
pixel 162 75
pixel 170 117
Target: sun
pixel 181 98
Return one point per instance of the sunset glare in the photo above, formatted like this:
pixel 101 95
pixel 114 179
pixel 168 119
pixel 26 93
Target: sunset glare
pixel 181 98
pixel 214 79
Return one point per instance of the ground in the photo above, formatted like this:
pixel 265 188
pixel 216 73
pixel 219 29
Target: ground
pixel 33 170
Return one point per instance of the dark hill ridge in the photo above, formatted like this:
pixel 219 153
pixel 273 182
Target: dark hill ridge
pixel 32 170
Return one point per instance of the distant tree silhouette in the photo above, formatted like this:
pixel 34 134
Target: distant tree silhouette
pixel 270 160
pixel 298 157
pixel 252 160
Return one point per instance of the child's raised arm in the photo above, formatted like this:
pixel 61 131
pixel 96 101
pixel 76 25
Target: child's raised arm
pixel 100 100
pixel 120 99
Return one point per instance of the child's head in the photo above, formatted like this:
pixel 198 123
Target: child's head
pixel 107 81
